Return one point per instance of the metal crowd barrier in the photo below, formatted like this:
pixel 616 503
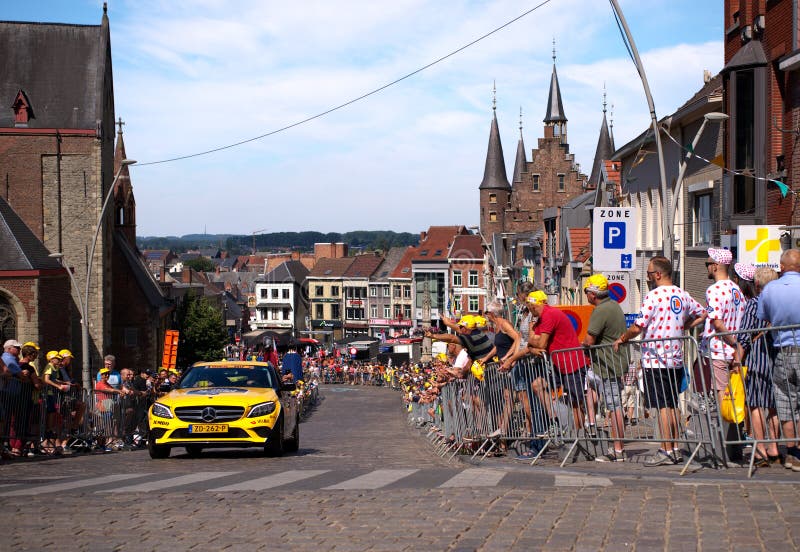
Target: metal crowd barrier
pixel 593 400
pixel 764 411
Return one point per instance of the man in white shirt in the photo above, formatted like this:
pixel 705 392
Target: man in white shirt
pixel 665 312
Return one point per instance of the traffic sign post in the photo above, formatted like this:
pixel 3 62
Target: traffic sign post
pixel 620 289
pixel 614 238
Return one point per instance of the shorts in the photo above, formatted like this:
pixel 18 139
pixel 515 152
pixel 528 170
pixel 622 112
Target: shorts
pixel 786 384
pixel 572 385
pixel 519 379
pixel 630 396
pixel 610 391
pixel 662 387
pixel 721 373
pixel 50 401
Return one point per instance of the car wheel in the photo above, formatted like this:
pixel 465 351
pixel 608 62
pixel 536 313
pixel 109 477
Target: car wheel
pixel 274 446
pixel 293 443
pixel 157 452
pixel 194 450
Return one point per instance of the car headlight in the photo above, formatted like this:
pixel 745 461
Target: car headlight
pixel 262 409
pixel 162 411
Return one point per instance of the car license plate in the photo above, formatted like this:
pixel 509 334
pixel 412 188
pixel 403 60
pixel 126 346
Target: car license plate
pixel 208 428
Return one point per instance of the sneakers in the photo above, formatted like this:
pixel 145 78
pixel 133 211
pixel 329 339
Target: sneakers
pixel 612 456
pixel 660 458
pixel 591 430
pixel 791 462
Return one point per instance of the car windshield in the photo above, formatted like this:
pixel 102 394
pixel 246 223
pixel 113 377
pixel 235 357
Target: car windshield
pixel 207 376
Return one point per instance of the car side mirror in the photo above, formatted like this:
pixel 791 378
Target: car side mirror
pixel 289 386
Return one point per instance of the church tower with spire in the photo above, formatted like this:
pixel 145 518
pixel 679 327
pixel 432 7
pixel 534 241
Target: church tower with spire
pixel 495 190
pixel 124 202
pixel 551 178
pixel 604 150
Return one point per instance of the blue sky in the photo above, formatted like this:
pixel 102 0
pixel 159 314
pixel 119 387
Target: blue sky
pixel 194 75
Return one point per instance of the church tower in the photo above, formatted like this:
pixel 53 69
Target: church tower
pixel 495 190
pixel 604 151
pixel 554 119
pixel 124 202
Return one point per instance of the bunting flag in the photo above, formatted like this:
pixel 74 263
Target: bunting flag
pixel 783 187
pixel 718 161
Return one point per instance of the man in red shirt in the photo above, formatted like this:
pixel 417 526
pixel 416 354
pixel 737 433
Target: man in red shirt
pixel 554 332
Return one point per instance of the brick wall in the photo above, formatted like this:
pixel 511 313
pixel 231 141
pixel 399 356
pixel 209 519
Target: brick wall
pixel 550 159
pixel 132 313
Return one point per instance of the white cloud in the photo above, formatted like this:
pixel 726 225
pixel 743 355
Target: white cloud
pixel 192 76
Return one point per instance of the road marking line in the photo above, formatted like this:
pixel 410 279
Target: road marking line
pixel 373 480
pixel 270 481
pixel 69 485
pixel 475 477
pixel 582 481
pixel 167 483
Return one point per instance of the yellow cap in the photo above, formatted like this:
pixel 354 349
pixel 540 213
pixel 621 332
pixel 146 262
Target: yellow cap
pixel 596 282
pixel 31 344
pixel 104 370
pixel 65 353
pixel 537 297
pixel 52 354
pixel 467 321
pixel 480 322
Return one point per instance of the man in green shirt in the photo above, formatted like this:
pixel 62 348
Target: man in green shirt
pixel 606 324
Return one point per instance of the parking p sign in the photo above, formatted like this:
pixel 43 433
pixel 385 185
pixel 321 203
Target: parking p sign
pixel 614 238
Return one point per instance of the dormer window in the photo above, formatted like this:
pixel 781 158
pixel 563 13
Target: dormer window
pixel 23 112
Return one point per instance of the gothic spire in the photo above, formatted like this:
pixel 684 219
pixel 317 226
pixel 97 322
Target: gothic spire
pixel 605 148
pixel 520 163
pixel 494 174
pixel 555 109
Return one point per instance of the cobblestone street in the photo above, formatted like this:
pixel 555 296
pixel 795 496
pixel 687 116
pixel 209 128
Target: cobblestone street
pixel 364 480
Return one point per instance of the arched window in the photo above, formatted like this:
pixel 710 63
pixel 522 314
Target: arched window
pixel 8 320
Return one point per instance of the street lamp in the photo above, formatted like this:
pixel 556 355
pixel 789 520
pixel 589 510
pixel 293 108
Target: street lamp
pixel 83 301
pixel 672 212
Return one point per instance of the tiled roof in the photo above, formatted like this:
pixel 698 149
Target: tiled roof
pixel 437 242
pixel 403 268
pixel 60 67
pixel 466 247
pixel 287 271
pixel 150 289
pixel 363 266
pixel 579 240
pixel 390 262
pixel 331 268
pixel 20 249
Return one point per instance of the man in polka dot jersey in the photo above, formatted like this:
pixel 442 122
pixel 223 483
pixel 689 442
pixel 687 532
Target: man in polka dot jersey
pixel 666 312
pixel 724 310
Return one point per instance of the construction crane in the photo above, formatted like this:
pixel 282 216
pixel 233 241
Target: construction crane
pixel 254 237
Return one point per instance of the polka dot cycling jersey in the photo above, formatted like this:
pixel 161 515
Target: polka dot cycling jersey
pixel 725 302
pixel 665 311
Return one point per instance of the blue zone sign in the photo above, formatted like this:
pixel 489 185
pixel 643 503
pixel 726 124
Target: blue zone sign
pixel 614 231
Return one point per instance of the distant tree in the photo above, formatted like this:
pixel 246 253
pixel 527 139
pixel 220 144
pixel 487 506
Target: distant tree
pixel 200 264
pixel 202 331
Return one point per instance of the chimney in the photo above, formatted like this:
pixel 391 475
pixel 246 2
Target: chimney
pixel 706 75
pixel 422 236
pixel 186 275
pixel 162 274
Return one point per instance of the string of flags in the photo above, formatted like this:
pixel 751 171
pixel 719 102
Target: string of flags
pixel 719 162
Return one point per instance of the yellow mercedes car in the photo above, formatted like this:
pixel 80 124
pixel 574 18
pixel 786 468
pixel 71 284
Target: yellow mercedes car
pixel 226 404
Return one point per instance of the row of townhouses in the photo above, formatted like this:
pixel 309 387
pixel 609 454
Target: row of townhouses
pixel 382 296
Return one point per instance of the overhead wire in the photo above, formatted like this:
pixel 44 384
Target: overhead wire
pixel 353 100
